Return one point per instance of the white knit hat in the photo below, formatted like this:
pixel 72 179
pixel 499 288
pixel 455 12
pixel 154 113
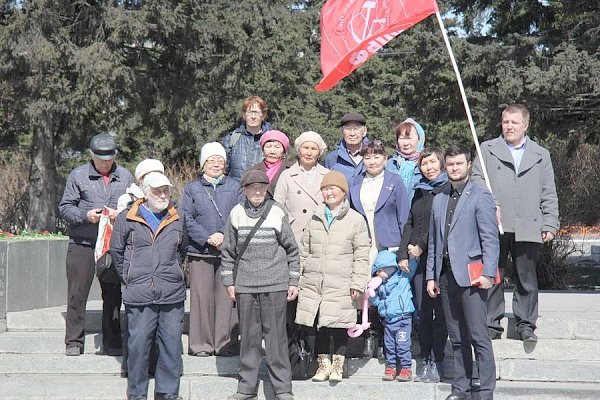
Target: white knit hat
pixel 148 165
pixel 310 136
pixel 211 149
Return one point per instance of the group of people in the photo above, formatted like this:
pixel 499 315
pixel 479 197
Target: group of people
pixel 272 241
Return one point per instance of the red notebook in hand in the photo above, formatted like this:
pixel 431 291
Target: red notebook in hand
pixel 476 269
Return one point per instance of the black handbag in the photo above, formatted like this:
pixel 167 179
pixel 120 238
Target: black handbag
pixel 302 358
pixel 105 270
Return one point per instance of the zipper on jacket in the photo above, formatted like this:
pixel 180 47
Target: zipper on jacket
pixel 131 258
pixel 179 264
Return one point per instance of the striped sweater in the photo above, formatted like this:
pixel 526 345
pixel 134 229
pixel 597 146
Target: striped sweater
pixel 271 261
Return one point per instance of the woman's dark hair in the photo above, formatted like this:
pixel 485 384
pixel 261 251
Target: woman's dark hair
pixel 375 146
pixel 458 149
pixel 432 151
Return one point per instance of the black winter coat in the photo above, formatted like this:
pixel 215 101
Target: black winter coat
pixel 416 229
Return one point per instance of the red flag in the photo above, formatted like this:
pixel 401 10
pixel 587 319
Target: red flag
pixel 353 30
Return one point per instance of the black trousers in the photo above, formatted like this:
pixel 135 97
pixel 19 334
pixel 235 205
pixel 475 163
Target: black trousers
pixel 466 318
pixel 433 332
pixel 324 338
pixel 525 297
pixel 80 273
pixel 263 315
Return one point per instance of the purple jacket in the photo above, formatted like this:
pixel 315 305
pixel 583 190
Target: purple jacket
pixel 391 210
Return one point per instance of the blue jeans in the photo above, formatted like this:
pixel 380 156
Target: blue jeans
pixel 143 323
pixel 396 337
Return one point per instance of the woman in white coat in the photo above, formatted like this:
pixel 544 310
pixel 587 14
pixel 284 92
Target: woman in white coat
pixel 298 189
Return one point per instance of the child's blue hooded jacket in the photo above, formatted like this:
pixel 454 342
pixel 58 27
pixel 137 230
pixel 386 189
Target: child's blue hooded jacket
pixel 394 297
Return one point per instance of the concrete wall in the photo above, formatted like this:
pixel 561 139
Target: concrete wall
pixel 33 275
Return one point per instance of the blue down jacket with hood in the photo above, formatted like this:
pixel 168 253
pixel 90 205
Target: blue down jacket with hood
pixel 394 297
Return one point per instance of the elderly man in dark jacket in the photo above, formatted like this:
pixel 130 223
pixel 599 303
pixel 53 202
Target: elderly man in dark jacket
pixel 148 246
pixel 90 188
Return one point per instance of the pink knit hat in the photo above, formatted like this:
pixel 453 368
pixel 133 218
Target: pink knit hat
pixel 275 135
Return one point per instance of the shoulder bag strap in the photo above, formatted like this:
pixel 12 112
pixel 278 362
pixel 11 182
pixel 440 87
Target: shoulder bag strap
pixel 212 200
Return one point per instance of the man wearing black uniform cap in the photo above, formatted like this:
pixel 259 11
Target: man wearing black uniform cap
pixel 89 189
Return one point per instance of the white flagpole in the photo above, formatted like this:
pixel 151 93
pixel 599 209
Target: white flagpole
pixel 467 109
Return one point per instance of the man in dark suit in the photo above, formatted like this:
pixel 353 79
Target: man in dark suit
pixel 463 230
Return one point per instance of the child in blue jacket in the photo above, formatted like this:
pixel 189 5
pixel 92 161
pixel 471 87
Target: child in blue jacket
pixel 394 302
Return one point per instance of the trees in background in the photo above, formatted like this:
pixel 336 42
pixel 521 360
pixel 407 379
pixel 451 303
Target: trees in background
pixel 168 76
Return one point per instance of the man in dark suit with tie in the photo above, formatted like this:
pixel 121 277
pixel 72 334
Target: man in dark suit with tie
pixel 463 230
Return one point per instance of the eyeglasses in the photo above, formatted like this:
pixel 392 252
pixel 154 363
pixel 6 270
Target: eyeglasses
pixel 210 163
pixel 352 128
pixel 257 113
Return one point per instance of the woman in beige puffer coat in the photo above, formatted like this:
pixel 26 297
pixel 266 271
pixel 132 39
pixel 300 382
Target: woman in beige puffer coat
pixel 335 269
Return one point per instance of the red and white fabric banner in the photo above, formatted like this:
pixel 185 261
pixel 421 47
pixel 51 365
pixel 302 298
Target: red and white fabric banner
pixel 353 30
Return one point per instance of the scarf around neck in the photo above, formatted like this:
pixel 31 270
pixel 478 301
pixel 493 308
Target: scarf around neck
pixel 271 169
pixel 430 185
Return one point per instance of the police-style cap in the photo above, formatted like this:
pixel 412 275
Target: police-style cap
pixel 104 146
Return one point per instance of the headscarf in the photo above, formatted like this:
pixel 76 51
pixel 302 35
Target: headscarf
pixel 405 165
pixel 420 144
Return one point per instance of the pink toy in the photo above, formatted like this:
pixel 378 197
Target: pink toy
pixel 370 292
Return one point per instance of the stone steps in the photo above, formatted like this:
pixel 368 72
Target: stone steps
pixel 81 387
pixel 53 319
pixel 91 364
pixel 52 342
pixel 564 364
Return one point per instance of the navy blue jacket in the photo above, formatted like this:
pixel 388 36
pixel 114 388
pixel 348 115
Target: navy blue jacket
pixel 84 191
pixel 245 152
pixel 340 160
pixel 391 210
pixel 200 212
pixel 150 264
